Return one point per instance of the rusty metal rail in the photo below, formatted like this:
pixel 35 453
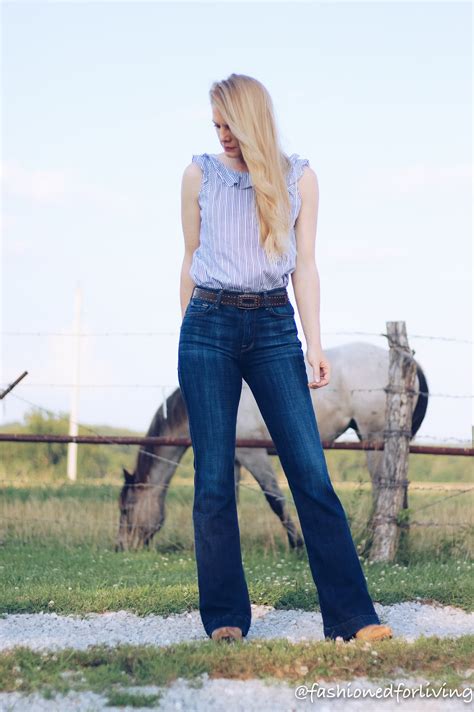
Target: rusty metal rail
pixel 241 442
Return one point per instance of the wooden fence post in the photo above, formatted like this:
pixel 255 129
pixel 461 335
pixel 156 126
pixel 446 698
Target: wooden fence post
pixel 391 495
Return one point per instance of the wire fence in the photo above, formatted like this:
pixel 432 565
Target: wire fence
pixel 460 525
pixel 98 438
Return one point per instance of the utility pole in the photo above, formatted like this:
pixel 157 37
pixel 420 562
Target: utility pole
pixel 74 410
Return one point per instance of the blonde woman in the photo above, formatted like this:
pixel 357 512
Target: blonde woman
pixel 249 217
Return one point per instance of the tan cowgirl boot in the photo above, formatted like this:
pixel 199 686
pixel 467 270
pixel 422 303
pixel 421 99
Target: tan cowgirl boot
pixel 227 633
pixel 374 631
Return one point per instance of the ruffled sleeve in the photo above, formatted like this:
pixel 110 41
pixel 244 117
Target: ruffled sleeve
pixel 200 159
pixel 296 171
pixel 298 166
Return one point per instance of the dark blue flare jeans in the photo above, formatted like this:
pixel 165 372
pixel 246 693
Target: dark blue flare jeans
pixel 219 345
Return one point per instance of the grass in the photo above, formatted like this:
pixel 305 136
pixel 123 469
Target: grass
pixel 110 669
pixel 79 580
pixel 57 554
pixel 57 550
pixel 84 513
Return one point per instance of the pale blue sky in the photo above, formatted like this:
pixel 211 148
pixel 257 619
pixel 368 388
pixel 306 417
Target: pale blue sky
pixel 104 105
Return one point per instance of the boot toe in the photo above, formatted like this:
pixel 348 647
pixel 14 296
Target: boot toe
pixel 374 632
pixel 227 633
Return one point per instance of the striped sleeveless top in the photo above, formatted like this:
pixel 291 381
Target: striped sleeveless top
pixel 229 255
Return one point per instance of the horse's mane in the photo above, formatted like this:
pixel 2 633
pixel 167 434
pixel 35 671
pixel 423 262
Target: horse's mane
pixel 160 425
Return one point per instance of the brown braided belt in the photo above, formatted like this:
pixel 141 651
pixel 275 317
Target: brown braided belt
pixel 243 300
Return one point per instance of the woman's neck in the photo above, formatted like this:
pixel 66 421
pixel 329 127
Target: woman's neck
pixel 242 167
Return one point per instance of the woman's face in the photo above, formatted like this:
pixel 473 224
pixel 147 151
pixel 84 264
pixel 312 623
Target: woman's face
pixel 225 136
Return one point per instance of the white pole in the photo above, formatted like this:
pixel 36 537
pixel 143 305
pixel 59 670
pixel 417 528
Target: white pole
pixel 74 412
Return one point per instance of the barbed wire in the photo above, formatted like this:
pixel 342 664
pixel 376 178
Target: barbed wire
pixel 433 504
pixel 175 386
pixel 451 492
pixel 175 333
pixel 56 414
pixel 463 525
pixel 241 484
pixel 109 440
pixel 357 485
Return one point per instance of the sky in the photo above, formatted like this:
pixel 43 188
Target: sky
pixel 103 105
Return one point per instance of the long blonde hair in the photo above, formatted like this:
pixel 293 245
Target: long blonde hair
pixel 247 109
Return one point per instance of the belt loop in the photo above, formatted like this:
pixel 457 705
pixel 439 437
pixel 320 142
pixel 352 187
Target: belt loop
pixel 218 300
pixel 265 298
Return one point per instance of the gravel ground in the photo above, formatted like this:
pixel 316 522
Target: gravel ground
pixel 223 695
pixel 50 631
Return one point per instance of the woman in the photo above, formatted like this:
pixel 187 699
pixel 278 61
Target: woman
pixel 249 220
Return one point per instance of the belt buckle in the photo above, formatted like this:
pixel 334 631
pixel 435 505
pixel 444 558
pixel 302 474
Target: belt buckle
pixel 241 298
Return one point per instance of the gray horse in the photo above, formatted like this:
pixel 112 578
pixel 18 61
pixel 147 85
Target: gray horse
pixel 355 398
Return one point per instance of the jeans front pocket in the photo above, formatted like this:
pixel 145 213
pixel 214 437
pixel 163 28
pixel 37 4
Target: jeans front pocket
pixel 198 307
pixel 282 311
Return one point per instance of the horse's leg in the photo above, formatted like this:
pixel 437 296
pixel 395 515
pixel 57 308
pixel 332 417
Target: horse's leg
pixel 259 465
pixel 375 467
pixel 237 477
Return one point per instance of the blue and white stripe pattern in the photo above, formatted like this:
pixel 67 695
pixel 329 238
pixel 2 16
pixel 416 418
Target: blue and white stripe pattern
pixel 229 255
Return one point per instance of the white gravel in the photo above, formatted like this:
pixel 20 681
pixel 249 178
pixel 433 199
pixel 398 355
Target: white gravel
pixel 224 695
pixel 50 631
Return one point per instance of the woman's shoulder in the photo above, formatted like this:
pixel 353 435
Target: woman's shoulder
pixel 200 159
pixel 204 161
pixel 196 170
pixel 298 164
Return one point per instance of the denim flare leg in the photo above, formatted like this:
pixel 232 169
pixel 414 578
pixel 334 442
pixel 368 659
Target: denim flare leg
pixel 219 345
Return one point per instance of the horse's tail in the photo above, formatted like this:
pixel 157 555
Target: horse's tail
pixel 422 402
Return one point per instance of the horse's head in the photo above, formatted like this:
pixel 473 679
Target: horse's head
pixel 134 525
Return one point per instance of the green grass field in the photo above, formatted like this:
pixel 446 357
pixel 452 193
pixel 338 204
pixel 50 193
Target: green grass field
pixel 49 526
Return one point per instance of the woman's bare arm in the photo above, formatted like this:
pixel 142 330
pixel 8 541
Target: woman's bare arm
pixel 305 277
pixel 191 225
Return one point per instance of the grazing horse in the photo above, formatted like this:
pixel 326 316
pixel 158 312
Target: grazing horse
pixel 355 398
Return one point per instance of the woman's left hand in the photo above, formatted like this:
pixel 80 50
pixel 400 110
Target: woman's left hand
pixel 321 368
